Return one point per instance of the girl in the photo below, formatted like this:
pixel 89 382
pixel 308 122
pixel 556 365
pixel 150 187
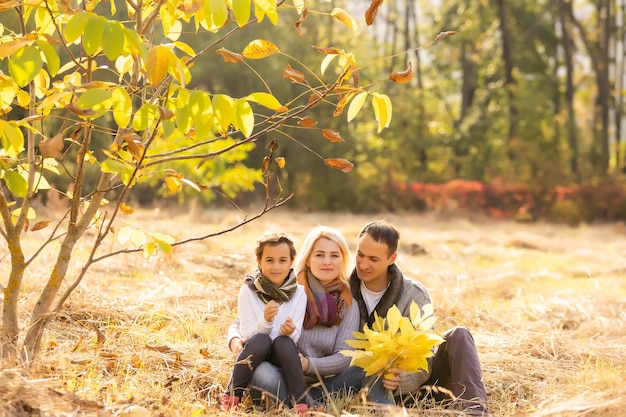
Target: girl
pixel 271 311
pixel 331 317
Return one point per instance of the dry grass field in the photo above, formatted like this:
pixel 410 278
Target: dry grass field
pixel 546 304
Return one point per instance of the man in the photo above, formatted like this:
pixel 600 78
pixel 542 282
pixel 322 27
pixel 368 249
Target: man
pixel 377 284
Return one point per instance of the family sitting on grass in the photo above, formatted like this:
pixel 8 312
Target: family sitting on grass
pixel 292 327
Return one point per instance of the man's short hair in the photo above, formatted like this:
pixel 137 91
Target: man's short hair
pixel 383 232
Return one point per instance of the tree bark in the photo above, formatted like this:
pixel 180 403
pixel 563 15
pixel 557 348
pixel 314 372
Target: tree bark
pixel 568 52
pixel 509 80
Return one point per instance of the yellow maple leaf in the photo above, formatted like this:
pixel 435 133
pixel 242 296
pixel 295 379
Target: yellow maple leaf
pixel 395 341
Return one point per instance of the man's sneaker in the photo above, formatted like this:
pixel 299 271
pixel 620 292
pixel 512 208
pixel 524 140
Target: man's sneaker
pixel 229 402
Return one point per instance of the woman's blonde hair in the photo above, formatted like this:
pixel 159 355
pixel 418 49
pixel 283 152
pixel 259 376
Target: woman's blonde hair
pixel 331 234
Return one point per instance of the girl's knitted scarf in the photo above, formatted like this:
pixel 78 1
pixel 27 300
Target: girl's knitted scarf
pixel 324 302
pixel 268 291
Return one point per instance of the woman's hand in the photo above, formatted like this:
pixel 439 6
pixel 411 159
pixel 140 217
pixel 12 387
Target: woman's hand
pixel 236 345
pixel 287 327
pixel 270 310
pixel 305 362
pixel 391 379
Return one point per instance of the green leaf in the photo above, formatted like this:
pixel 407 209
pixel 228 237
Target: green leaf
pixel 16 183
pixel 264 99
pixel 219 12
pixel 25 64
pixel 122 107
pixel 356 104
pixel 245 117
pixel 241 9
pixel 76 26
pixel 223 109
pixel 52 58
pixel 92 38
pixel 113 40
pixel 96 99
pixel 117 167
pixel 145 117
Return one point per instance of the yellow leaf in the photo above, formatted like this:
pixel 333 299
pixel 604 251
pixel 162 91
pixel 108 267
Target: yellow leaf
pixel 265 99
pixel 280 161
pixel 173 184
pixel 356 104
pixel 344 18
pixel 124 234
pixel 157 64
pixel 260 48
pixel 126 209
pixel 382 110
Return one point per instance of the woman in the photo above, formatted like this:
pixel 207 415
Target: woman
pixel 323 267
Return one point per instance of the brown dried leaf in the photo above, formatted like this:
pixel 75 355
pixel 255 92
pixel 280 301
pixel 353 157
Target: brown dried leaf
pixel 342 103
pixel 93 84
pixel 340 164
pixel 205 352
pixel 355 75
pixel 332 136
pixel 371 12
pixel 100 337
pixel 109 366
pixel 307 122
pixel 135 147
pixel 51 147
pixel 78 111
pixel 173 173
pixel 293 75
pixel 161 349
pixel 108 354
pixel 267 160
pixel 135 361
pixel 314 99
pixel 298 24
pixel 40 225
pixel 402 76
pixel 273 145
pixel 328 51
pixel 443 35
pixel 230 56
pixel 166 114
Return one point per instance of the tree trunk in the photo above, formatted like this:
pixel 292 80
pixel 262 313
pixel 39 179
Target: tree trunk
pixel 568 51
pixel 509 80
pixel 597 45
pixel 619 88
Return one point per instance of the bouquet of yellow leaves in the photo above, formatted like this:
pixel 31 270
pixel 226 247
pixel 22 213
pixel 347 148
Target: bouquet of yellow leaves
pixel 395 341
